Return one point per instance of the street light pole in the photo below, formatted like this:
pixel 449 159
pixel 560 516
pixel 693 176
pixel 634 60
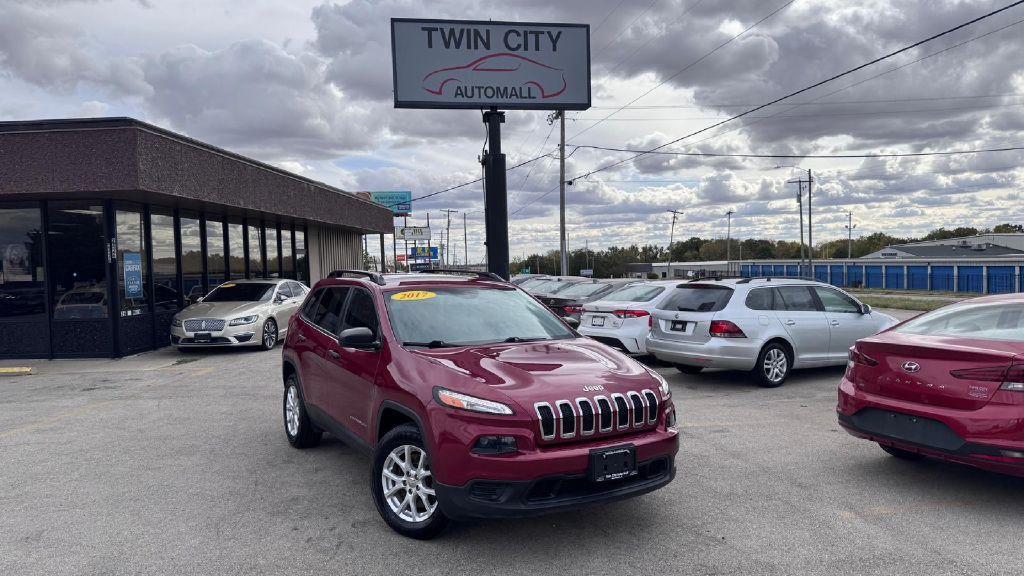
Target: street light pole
pixel 728 238
pixel 671 239
pixel 849 234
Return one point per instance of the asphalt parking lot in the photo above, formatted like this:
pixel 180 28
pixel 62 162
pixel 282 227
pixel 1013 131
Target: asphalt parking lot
pixel 153 466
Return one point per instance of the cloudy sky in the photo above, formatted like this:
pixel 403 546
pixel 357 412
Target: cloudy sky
pixel 307 86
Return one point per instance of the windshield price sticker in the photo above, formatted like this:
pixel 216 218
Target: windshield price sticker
pixel 413 295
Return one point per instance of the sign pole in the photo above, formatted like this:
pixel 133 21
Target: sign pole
pixel 405 224
pixel 394 248
pixel 496 201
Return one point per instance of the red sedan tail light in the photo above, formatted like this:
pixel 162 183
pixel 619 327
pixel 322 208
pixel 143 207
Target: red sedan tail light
pixel 858 357
pixel 631 313
pixel 725 329
pixel 570 310
pixel 1011 378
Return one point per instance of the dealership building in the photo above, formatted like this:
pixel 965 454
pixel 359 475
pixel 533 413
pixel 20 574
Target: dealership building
pixel 110 226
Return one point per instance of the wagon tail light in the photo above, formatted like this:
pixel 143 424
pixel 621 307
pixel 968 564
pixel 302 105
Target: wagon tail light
pixel 858 357
pixel 725 329
pixel 1011 378
pixel 573 309
pixel 630 313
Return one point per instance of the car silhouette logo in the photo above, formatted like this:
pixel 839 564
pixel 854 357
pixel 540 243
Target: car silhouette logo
pixel 911 367
pixel 503 75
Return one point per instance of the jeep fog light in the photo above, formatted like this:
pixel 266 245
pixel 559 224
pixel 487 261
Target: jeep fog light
pixel 495 445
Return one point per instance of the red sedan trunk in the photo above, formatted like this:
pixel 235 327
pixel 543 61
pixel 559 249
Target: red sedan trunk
pixel 949 385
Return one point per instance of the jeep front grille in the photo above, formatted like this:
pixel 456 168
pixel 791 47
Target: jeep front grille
pixel 564 419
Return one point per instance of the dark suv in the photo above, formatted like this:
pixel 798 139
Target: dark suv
pixel 473 399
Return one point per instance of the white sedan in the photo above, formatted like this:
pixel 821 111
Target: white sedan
pixel 622 318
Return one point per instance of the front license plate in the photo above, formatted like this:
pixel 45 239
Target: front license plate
pixel 597 321
pixel 610 464
pixel 678 326
pixel 203 337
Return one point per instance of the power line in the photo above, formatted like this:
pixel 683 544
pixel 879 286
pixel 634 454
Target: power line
pixel 801 116
pixel 813 103
pixel 628 26
pixel 654 37
pixel 873 155
pixel 685 68
pixel 869 78
pixel 808 88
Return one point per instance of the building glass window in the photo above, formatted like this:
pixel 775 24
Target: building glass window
pixel 191 258
pixel 255 255
pixel 236 248
pixel 165 263
pixel 22 286
pixel 78 261
pixel 273 259
pixel 287 262
pixel 132 271
pixel 301 260
pixel 215 251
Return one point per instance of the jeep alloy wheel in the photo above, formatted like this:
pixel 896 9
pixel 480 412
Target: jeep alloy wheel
pixel 408 484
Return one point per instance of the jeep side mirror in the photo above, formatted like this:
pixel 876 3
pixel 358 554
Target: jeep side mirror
pixel 572 322
pixel 360 337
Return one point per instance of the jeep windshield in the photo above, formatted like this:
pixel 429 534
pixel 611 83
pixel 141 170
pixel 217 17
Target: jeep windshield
pixel 470 316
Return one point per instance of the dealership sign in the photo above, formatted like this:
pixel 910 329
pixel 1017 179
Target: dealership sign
pixel 412 232
pixel 423 252
pixel 400 203
pixel 477 64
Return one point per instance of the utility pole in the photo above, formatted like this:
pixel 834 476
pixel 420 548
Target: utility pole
pixel 448 236
pixel 465 240
pixel 430 234
pixel 810 225
pixel 800 206
pixel 671 239
pixel 849 234
pixel 563 249
pixel 728 237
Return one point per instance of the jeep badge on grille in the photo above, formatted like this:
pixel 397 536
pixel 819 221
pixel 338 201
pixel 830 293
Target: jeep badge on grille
pixel 594 388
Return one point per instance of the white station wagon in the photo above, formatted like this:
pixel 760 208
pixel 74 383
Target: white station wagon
pixel 761 325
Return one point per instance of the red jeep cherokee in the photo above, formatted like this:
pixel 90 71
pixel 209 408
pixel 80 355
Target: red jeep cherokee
pixel 473 399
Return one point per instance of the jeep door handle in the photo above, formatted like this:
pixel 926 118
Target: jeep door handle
pixel 835 322
pixel 333 354
pixel 790 322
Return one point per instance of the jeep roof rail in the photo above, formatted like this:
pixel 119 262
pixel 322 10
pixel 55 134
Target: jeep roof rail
pixel 477 273
pixel 375 277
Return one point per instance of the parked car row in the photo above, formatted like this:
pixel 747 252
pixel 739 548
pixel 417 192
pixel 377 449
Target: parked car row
pixel 503 410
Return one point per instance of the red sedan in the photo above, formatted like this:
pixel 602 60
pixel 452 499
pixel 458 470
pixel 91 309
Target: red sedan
pixel 948 384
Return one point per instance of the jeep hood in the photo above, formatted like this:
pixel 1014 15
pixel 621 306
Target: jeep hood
pixel 545 371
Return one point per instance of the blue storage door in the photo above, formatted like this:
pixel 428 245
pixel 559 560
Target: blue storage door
pixel 792 269
pixel 779 270
pixel 821 273
pixel 755 269
pixel 745 270
pixel 873 276
pixel 1001 280
pixel 838 274
pixel 917 277
pixel 855 276
pixel 970 279
pixel 894 278
pixel 942 278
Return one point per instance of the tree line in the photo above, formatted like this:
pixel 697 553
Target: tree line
pixel 611 262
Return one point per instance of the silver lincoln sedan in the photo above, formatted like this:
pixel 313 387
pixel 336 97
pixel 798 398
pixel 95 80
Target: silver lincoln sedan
pixel 239 313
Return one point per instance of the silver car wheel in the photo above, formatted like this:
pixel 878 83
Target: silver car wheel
pixel 775 365
pixel 269 334
pixel 291 411
pixel 408 484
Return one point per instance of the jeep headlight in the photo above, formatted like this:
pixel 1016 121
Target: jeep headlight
pixel 176 321
pixel 243 320
pixel 470 403
pixel 663 387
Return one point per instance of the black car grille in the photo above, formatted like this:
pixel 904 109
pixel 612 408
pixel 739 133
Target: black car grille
pixel 582 417
pixel 204 325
